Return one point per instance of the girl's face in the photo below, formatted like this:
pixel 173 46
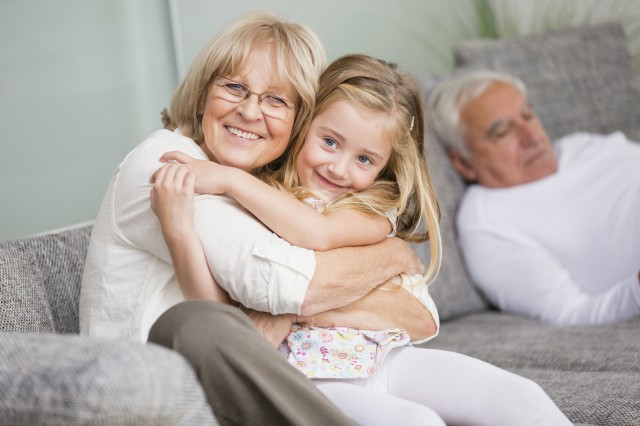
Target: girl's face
pixel 240 134
pixel 345 150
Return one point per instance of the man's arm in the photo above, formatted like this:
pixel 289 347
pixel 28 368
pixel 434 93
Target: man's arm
pixel 523 278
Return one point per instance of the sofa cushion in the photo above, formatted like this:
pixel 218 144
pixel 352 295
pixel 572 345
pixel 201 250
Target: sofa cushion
pixel 77 380
pixel 452 290
pixel 579 79
pixel 60 257
pixel 23 303
pixel 579 367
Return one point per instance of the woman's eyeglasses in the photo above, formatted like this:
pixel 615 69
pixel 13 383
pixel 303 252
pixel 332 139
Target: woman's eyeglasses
pixel 270 104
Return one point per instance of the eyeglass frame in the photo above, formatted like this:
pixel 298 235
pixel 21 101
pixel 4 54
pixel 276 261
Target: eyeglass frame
pixel 287 104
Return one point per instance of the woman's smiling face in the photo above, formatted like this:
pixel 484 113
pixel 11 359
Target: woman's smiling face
pixel 344 151
pixel 239 134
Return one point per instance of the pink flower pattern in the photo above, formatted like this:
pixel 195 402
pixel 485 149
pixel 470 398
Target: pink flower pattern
pixel 340 352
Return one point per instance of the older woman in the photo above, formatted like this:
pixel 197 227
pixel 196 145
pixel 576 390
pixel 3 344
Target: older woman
pixel 129 280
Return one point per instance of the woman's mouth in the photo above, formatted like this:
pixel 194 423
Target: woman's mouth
pixel 242 134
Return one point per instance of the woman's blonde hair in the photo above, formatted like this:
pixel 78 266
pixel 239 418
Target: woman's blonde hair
pixel 298 55
pixel 404 185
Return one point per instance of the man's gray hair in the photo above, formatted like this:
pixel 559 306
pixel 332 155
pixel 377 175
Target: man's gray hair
pixel 450 96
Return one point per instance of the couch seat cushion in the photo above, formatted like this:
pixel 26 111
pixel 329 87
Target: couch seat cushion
pixel 579 367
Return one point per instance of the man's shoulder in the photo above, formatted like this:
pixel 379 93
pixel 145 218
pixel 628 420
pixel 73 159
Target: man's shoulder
pixel 470 205
pixel 582 146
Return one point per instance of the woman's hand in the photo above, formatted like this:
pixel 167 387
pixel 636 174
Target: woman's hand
pixel 273 327
pixel 211 177
pixel 172 198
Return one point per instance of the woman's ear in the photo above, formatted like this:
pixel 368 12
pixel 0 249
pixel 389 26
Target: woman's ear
pixel 463 166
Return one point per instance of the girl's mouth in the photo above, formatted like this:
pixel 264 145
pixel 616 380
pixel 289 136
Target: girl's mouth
pixel 327 183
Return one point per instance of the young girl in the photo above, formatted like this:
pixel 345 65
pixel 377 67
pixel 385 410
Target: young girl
pixel 360 162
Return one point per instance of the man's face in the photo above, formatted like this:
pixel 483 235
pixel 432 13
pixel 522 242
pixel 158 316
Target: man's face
pixel 506 142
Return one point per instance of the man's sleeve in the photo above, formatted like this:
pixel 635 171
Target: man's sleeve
pixel 520 277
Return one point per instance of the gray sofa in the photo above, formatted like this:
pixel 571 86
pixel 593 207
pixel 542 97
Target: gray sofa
pixel 50 375
pixel 578 79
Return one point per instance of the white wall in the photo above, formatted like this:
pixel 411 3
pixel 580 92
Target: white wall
pixel 83 81
pixel 417 34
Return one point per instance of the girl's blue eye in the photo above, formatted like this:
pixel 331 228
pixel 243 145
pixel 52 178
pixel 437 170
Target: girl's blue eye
pixel 364 159
pixel 330 142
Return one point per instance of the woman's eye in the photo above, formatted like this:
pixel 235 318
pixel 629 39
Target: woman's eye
pixel 236 87
pixel 330 142
pixel 275 101
pixel 364 159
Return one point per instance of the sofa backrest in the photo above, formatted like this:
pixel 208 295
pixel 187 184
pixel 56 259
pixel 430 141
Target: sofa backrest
pixel 579 79
pixel 40 280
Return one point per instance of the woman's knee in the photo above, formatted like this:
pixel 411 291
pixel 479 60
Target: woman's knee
pixel 193 321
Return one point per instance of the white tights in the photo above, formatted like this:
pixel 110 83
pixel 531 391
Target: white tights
pixel 434 387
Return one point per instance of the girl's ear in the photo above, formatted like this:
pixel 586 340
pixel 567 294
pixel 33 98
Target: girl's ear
pixel 463 166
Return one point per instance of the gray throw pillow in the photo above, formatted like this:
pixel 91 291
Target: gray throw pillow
pixel 579 79
pixel 452 290
pixel 23 302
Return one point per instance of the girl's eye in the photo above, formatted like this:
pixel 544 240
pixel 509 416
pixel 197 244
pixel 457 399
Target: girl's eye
pixel 364 159
pixel 330 142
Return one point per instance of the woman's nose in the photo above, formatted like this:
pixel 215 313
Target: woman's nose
pixel 250 108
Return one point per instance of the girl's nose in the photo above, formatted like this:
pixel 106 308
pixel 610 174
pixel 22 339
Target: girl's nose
pixel 338 168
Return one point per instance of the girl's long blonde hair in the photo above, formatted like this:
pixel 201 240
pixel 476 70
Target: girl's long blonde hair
pixel 404 185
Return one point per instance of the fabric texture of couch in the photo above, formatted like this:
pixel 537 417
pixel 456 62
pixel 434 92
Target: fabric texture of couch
pixel 577 79
pixel 50 375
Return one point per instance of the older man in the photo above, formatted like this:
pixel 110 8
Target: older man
pixel 547 230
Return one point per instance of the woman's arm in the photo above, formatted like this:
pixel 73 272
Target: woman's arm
pixel 388 306
pixel 276 209
pixel 172 202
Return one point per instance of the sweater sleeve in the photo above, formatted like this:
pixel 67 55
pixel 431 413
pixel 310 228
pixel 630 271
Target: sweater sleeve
pixel 520 277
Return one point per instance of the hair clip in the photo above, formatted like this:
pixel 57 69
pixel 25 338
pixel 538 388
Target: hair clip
pixel 413 118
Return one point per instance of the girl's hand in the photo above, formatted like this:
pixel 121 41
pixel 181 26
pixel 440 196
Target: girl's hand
pixel 172 198
pixel 211 177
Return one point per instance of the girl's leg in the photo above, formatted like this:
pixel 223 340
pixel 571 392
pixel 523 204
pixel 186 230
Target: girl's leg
pixel 468 391
pixel 372 407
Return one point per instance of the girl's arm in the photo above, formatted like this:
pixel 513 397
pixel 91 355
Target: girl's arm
pixel 172 202
pixel 291 219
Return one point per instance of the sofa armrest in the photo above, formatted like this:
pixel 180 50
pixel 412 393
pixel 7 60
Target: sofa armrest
pixel 72 380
